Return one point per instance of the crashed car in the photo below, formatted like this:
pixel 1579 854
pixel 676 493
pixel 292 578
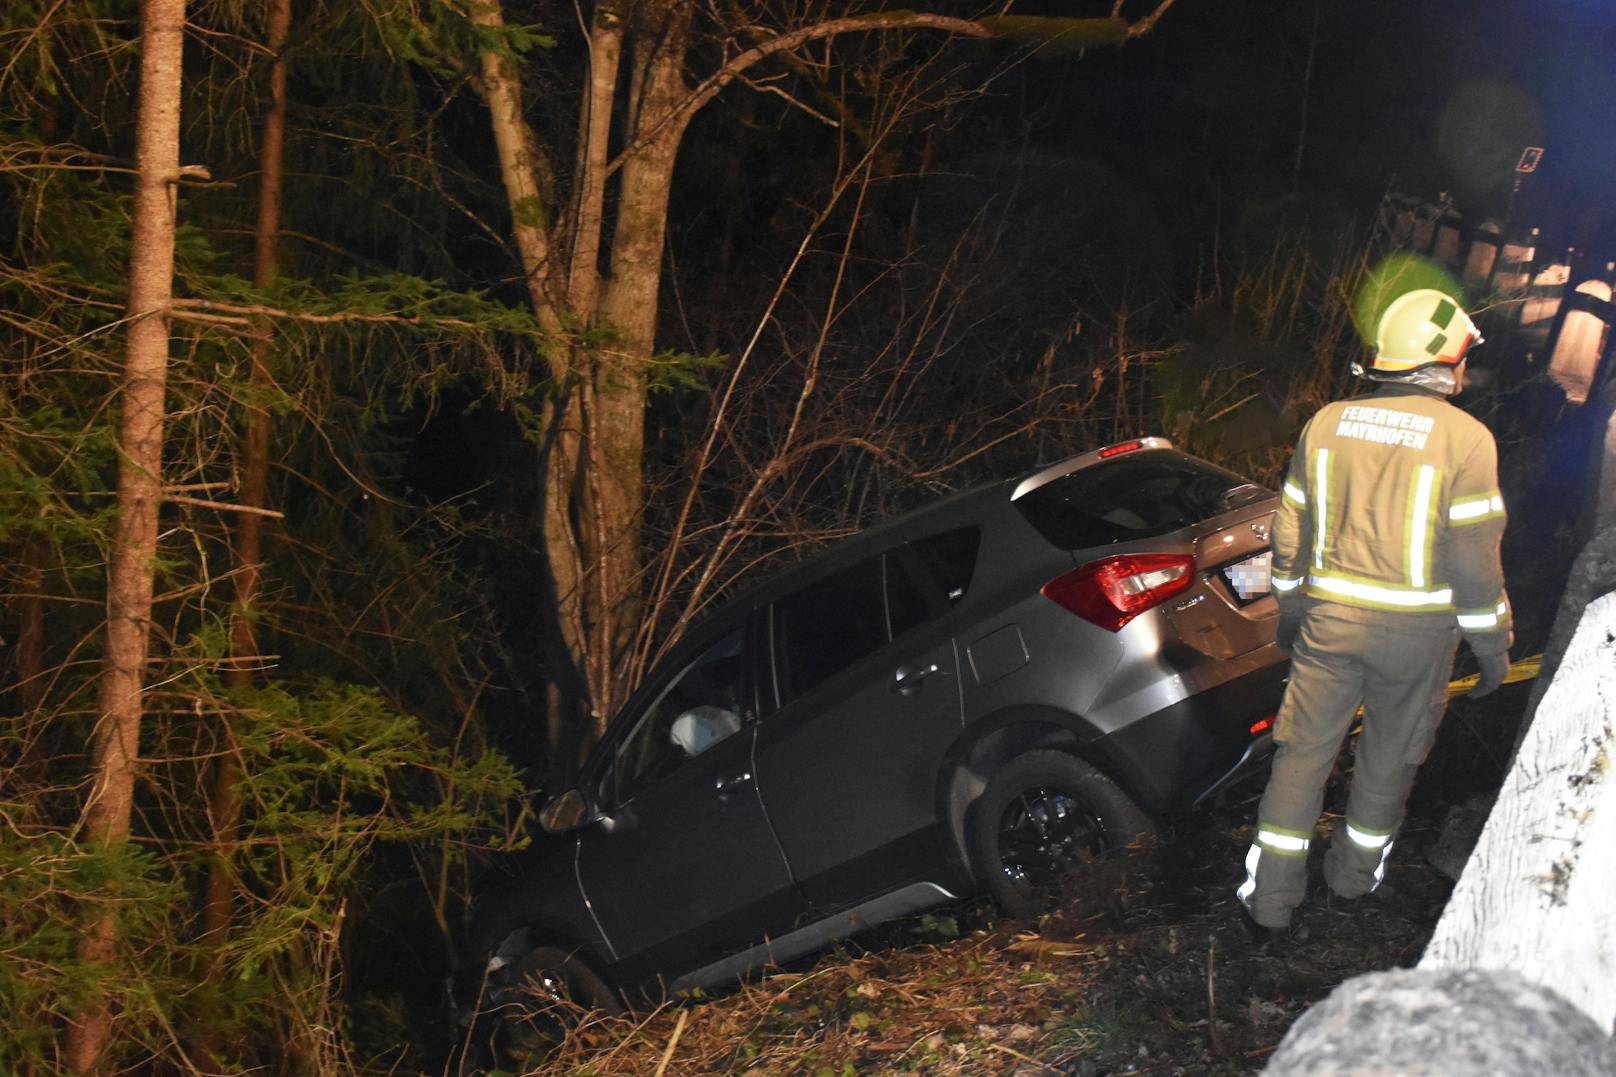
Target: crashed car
pixel 977 697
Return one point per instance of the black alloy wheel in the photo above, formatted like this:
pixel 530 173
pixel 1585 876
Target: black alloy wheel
pixel 1045 834
pixel 530 1006
pixel 1043 817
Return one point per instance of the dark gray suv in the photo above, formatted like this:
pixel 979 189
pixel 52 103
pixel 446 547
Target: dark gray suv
pixel 971 698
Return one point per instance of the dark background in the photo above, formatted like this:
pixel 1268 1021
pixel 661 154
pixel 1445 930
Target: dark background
pixel 1205 113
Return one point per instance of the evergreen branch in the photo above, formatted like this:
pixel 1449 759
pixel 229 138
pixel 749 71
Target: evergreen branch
pixel 239 314
pixel 223 506
pixel 15 157
pixel 210 660
pixel 209 319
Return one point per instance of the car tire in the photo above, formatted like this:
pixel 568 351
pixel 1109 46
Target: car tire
pixel 530 1006
pixel 1044 816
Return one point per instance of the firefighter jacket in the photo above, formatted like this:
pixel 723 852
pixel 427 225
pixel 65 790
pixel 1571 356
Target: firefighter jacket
pixel 1391 508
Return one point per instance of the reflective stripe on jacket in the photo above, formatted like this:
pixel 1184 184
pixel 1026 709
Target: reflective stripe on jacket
pixel 1392 504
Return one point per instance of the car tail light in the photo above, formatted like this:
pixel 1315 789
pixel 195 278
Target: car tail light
pixel 1121 447
pixel 1114 591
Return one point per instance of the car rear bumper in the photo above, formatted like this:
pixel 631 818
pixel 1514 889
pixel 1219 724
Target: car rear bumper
pixel 1186 752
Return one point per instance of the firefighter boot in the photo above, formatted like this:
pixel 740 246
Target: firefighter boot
pixel 1355 863
pixel 1276 877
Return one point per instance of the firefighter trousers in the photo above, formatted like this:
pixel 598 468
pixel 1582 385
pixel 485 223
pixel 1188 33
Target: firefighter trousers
pixel 1343 657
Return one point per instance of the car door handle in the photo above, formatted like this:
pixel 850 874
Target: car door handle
pixel 908 677
pixel 728 787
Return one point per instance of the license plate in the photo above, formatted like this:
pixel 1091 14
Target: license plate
pixel 1250 579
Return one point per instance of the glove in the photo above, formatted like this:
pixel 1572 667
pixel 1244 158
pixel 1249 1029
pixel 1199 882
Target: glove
pixel 1285 633
pixel 1494 666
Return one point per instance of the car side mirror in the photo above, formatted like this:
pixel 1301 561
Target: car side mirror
pixel 566 812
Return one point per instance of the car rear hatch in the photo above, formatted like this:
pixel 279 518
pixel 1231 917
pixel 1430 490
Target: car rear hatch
pixel 1129 510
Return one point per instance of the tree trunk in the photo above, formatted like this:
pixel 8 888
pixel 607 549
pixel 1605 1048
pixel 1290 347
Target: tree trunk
pixel 525 175
pixel 1536 894
pixel 629 304
pixel 116 745
pixel 594 139
pixel 1593 573
pixel 521 168
pixel 218 903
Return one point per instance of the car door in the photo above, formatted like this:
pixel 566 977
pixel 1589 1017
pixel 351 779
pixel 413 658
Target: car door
pixel 868 700
pixel 682 868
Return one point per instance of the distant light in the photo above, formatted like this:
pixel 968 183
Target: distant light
pixel 1263 726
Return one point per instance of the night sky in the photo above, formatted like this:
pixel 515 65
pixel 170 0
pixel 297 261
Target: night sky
pixel 1420 97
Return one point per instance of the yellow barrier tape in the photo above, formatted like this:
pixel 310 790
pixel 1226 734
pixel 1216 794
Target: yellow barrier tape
pixel 1524 670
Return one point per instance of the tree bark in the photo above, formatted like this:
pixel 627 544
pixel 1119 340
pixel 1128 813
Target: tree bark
pixel 1536 894
pixel 522 169
pixel 1593 573
pixel 116 747
pixel 218 903
pixel 594 137
pixel 629 304
pixel 524 173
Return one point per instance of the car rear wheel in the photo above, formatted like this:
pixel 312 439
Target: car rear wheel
pixel 1043 818
pixel 530 1006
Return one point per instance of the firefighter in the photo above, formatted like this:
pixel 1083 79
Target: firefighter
pixel 1385 556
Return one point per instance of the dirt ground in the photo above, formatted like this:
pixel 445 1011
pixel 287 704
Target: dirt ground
pixel 1145 969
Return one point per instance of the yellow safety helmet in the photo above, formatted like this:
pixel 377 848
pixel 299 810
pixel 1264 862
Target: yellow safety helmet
pixel 1420 328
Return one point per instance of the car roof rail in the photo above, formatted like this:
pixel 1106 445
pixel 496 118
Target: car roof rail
pixel 1088 459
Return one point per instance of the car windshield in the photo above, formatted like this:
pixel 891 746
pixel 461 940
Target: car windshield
pixel 1135 497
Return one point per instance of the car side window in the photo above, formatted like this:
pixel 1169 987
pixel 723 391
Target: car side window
pixel 951 558
pixel 702 705
pixel 909 602
pixel 827 626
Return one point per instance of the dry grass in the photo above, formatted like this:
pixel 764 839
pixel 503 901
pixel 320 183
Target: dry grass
pixel 1125 978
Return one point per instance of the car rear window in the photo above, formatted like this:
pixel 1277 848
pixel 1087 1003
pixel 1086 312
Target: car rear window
pixel 1135 497
pixel 951 559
